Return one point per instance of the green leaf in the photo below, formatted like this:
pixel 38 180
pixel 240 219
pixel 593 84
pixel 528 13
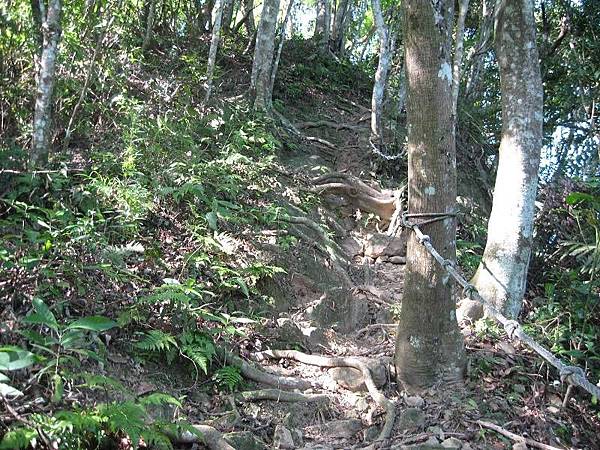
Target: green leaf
pixel 17 439
pixel 93 323
pixel 15 358
pixel 59 388
pixel 42 315
pixel 211 219
pixel 9 391
pixel 39 339
pixel 3 377
pixel 71 338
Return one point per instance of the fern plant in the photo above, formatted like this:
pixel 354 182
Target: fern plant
pixel 228 378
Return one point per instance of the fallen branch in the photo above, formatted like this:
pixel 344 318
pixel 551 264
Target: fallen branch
pixel 340 361
pixel 253 373
pixel 278 395
pixel 515 437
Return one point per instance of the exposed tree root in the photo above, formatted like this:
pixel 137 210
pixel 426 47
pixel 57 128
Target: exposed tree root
pixel 326 123
pixel 250 372
pixel 212 438
pixel 278 395
pixel 341 361
pixel 333 249
pixel 361 194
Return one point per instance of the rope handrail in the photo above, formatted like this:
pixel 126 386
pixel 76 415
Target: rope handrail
pixel 574 375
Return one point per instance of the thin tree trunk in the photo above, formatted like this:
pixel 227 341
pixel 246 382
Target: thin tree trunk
pixel 228 9
pixel 463 7
pixel 429 345
pixel 502 274
pixel 339 27
pixel 323 23
pixel 249 15
pixel 260 79
pixel 37 25
pixel 149 26
pixel 381 75
pixel 214 46
pixel 475 57
pixel 42 117
pixel 86 84
pixel 287 17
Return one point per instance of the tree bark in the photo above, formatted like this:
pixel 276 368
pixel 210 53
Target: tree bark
pixel 227 17
pixel 149 26
pixel 502 274
pixel 463 7
pixel 429 345
pixel 214 46
pixel 476 54
pixel 381 75
pixel 323 23
pixel 339 27
pixel 42 117
pixel 249 17
pixel 260 79
pixel 288 14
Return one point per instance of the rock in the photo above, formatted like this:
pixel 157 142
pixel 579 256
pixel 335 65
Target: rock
pixel 314 336
pixel 352 379
pixel 469 310
pixel 397 259
pixel 519 446
pixel 411 419
pixel 452 442
pixel 379 244
pixel 288 334
pixel 371 433
pixel 282 438
pixel 430 444
pixel 317 447
pixel 351 246
pixel 244 440
pixel 436 431
pixel 342 429
pixel 414 401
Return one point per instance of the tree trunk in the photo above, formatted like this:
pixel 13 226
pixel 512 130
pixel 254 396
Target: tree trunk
pixel 260 80
pixel 249 16
pixel 429 345
pixel 227 17
pixel 502 274
pixel 339 28
pixel 288 14
pixel 149 26
pixel 458 52
pixel 381 75
pixel 214 46
pixel 42 117
pixel 475 57
pixel 323 23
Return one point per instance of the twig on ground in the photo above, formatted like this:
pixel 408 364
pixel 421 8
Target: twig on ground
pixel 515 437
pixel 212 438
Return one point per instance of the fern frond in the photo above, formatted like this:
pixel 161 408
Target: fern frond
pixel 159 398
pixel 229 377
pixel 156 341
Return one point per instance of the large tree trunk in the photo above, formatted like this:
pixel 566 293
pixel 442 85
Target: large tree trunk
pixel 429 345
pixel 214 46
pixel 502 274
pixel 260 80
pixel 323 23
pixel 42 117
pixel 228 8
pixel 149 25
pixel 381 75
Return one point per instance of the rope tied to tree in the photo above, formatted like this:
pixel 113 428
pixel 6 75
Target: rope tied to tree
pixel 573 375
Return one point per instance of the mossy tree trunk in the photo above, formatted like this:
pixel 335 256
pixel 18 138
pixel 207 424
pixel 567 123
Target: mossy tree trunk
pixel 502 274
pixel 323 23
pixel 429 346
